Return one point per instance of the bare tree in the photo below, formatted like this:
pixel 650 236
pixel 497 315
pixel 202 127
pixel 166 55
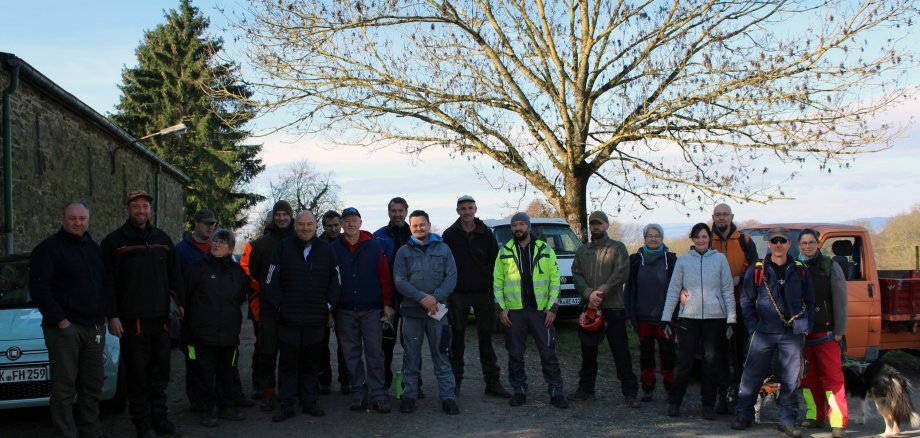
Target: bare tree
pixel 306 189
pixel 679 102
pixel 540 208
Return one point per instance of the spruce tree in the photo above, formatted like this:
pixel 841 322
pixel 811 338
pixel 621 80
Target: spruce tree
pixel 180 78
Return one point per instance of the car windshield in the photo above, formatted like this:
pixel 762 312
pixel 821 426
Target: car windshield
pixel 759 236
pixel 560 237
pixel 14 282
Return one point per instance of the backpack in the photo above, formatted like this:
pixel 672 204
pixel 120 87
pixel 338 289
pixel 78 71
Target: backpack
pixel 759 272
pixel 744 242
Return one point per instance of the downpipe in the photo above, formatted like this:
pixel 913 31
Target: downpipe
pixel 13 64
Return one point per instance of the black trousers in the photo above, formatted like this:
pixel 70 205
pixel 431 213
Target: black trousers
pixel 325 372
pixel 216 366
pixel 690 334
pixel 736 352
pixel 299 363
pixel 266 349
pixel 619 346
pixel 483 305
pixel 77 374
pixel 145 349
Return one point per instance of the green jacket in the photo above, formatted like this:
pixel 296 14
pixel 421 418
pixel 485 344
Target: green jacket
pixel 506 283
pixel 602 265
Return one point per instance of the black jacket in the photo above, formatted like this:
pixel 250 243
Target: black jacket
pixel 215 290
pixel 475 254
pixel 302 290
pixel 67 280
pixel 263 248
pixel 649 307
pixel 144 269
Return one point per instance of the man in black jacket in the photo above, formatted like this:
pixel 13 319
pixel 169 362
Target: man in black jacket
pixel 255 260
pixel 68 283
pixel 474 248
pixel 302 284
pixel 141 262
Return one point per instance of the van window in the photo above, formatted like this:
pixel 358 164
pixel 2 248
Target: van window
pixel 14 283
pixel 846 251
pixel 559 237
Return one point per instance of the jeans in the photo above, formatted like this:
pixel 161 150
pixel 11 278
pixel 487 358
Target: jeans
pixel 758 366
pixel 438 333
pixel 76 370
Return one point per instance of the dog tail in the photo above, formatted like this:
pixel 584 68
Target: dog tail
pixel 903 408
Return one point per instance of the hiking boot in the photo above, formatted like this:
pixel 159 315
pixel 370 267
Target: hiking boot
pixel 407 405
pixel 738 424
pixel 268 400
pixel 313 409
pixel 382 406
pixel 674 410
pixel 230 414
pixel 632 402
pixel 357 406
pixel 838 432
pixel 518 400
pixel 581 395
pixel 809 423
pixel 286 411
pixel 708 413
pixel 496 389
pixel 790 430
pixel 450 407
pixel 646 396
pixel 559 402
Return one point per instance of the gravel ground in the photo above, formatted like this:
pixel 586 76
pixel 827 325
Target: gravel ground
pixel 481 416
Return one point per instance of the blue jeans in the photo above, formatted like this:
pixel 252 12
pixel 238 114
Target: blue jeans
pixel 758 366
pixel 438 333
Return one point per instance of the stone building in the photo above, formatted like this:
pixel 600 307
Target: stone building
pixel 62 150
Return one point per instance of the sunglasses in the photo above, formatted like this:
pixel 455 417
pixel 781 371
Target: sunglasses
pixel 778 240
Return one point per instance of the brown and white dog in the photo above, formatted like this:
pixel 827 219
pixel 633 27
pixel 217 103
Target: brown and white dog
pixel 888 388
pixel 769 391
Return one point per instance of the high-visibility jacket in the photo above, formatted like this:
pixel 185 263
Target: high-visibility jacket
pixel 506 283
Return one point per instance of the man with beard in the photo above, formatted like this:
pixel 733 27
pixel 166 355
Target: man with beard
pixel 142 263
pixel 302 286
pixel 332 229
pixel 526 288
pixel 393 236
pixel 741 253
pixel 474 248
pixel 255 260
pixel 600 270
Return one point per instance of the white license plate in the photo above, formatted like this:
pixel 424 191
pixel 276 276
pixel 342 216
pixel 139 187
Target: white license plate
pixel 25 374
pixel 569 301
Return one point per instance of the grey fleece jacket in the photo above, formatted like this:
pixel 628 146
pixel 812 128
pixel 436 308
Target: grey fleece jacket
pixel 708 279
pixel 602 265
pixel 423 268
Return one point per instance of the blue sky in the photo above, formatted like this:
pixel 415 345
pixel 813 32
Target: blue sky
pixel 83 46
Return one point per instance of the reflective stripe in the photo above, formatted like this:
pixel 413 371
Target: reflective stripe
pixel 811 409
pixel 835 415
pixel 191 352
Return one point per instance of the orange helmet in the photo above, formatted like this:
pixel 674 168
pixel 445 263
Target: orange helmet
pixel 591 320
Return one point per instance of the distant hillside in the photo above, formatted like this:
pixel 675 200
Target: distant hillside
pixel 878 223
pixel 672 230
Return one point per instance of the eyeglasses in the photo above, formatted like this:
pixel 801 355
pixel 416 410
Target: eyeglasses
pixel 778 240
pixel 811 243
pixel 721 214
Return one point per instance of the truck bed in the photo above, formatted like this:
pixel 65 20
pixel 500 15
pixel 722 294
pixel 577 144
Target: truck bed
pixel 900 301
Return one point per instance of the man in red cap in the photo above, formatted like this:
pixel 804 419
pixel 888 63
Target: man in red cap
pixel 142 264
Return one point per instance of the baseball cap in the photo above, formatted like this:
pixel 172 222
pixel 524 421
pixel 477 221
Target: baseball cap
pixel 138 194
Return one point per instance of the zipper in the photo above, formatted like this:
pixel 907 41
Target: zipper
pixel 702 292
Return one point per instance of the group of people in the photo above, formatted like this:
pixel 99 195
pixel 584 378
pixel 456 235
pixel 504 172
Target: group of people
pixel 405 283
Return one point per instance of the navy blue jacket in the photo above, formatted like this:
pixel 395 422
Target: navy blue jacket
pixel 757 308
pixel 366 283
pixel 67 280
pixel 187 252
pixel 303 290
pixel 144 271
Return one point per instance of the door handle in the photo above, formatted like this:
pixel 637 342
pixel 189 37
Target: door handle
pixel 871 290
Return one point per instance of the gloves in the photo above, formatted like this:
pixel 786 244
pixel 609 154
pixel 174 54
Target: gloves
pixel 729 330
pixel 666 328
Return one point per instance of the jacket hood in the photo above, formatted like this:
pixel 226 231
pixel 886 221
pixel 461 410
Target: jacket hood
pixel 363 236
pixel 662 254
pixel 709 252
pixel 432 237
pixel 732 232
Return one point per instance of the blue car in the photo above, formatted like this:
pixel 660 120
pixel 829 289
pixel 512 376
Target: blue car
pixel 25 375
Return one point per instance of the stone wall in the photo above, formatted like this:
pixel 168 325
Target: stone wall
pixel 62 153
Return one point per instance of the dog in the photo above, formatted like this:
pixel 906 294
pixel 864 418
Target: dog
pixel 769 391
pixel 888 388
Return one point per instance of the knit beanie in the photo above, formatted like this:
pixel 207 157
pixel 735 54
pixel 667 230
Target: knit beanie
pixel 284 206
pixel 521 216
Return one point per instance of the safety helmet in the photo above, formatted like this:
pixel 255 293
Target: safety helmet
pixel 591 320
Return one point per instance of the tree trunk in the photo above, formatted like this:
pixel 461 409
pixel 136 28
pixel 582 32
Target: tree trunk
pixel 573 206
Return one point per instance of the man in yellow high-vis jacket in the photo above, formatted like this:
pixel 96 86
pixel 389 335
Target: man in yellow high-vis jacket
pixel 526 287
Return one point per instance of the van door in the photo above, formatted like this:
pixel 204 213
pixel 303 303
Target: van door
pixel 864 322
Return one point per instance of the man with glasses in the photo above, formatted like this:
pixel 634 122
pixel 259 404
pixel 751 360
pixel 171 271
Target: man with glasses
pixel 823 386
pixel 741 253
pixel 778 308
